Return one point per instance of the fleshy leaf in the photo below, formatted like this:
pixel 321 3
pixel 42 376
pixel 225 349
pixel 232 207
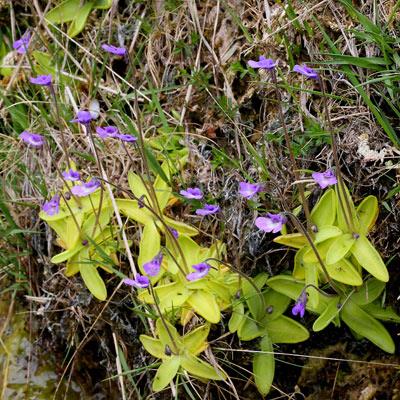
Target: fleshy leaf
pixel 367 326
pixel 369 292
pixel 384 314
pixel 339 248
pixel 275 303
pixel 249 329
pixel 299 271
pixel 286 330
pixel 199 368
pixel 131 209
pixel 196 341
pixel 326 232
pixel 93 281
pixel 253 295
pixel 342 209
pixel 102 4
pixel 65 12
pixel 296 240
pixel 181 227
pixel 149 245
pixel 80 18
pixel 137 186
pixel 264 366
pixel 166 372
pixel 153 346
pixel 237 316
pixel 369 258
pixel 344 271
pixel 324 212
pixel 367 212
pixel 312 272
pixel 204 304
pixel 329 314
pixel 168 334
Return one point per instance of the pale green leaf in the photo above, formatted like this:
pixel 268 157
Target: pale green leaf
pixel 196 341
pixel 312 272
pixel 344 271
pixel 81 15
pixel 275 303
pixel 65 12
pixel 339 248
pixel 181 227
pixel 137 187
pixel 153 346
pixel 249 329
pixel 204 304
pixel 296 240
pixel 254 298
pixel 131 209
pixel 369 292
pixel 367 212
pixel 369 258
pixel 168 335
pixel 102 4
pixel 324 212
pixel 344 208
pixel 166 372
pixel 329 314
pixel 237 316
pixel 326 232
pixel 93 281
pixel 298 271
pixel 264 366
pixel 367 326
pixel 150 244
pixel 286 330
pixel 384 314
pixel 199 368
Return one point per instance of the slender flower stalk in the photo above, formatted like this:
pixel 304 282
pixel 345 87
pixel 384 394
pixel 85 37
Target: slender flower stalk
pixel 345 205
pixel 60 124
pixel 290 149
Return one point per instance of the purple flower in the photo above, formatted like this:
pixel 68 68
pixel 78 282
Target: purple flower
pixel 201 269
pixel 174 232
pixel 107 131
pixel 207 209
pixel 21 45
pixel 52 207
pixel 83 117
pixel 33 139
pixel 139 282
pixel 85 188
pixel 71 175
pixel 152 268
pixel 42 80
pixel 118 51
pixel 249 190
pixel 325 179
pixel 126 138
pixel 264 63
pixel 192 193
pixel 300 305
pixel 306 71
pixel 271 223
